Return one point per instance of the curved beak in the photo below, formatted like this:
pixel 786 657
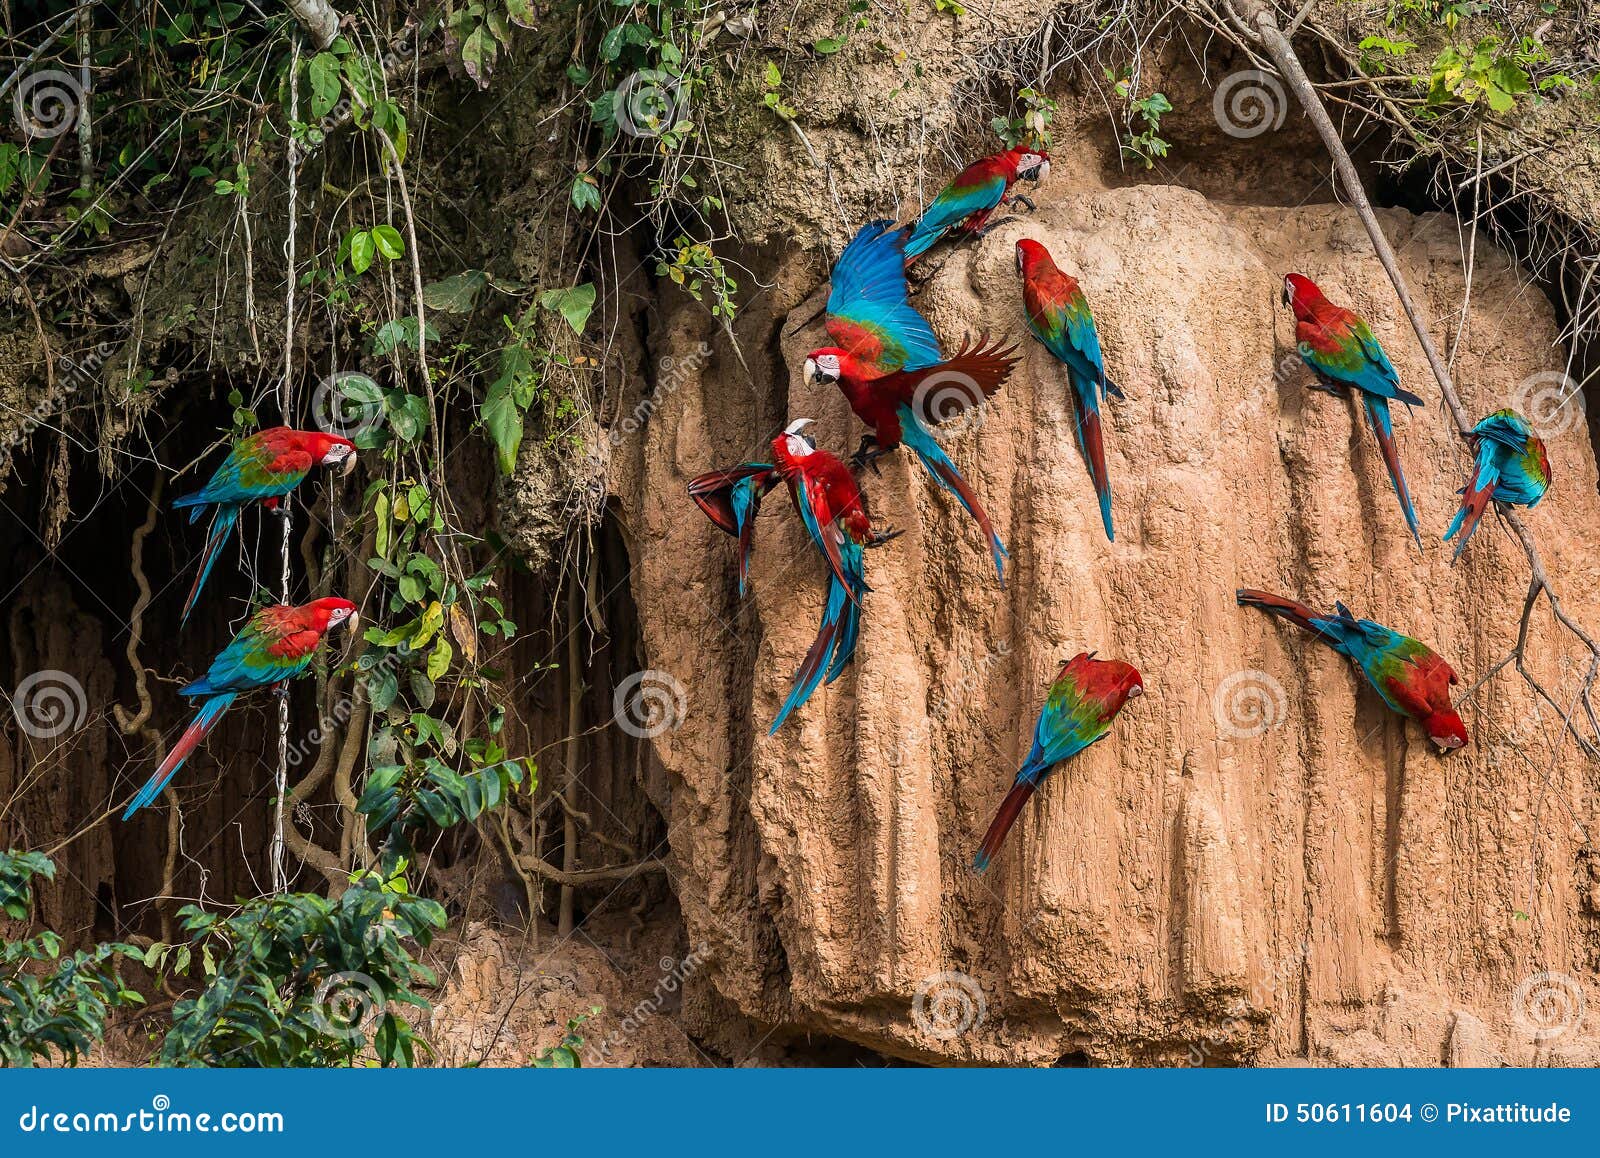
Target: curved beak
pixel 798 425
pixel 1042 171
pixel 810 372
pixel 344 471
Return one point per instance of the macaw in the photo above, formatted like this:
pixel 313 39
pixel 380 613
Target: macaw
pixel 975 193
pixel 1059 317
pixel 1408 675
pixel 1341 351
pixel 275 646
pixel 1512 468
pixel 1085 697
pixel 890 369
pixel 834 511
pixel 261 467
pixel 732 499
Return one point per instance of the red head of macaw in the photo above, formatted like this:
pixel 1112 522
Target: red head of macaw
pixel 274 647
pixel 1342 352
pixel 1058 314
pixel 1084 698
pixel 975 193
pixel 887 363
pixel 261 467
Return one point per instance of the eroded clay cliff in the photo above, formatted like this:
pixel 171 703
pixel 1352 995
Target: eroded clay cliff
pixel 1211 883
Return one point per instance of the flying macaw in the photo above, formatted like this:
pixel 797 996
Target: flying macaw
pixel 1407 673
pixel 1512 468
pixel 890 369
pixel 835 515
pixel 1059 317
pixel 274 647
pixel 1341 351
pixel 732 499
pixel 261 467
pixel 975 193
pixel 1085 697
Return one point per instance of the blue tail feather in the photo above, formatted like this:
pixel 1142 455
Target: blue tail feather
pixel 222 525
pixel 210 712
pixel 927 449
pixel 812 668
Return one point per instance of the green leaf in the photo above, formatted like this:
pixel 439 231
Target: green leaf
pixel 501 412
pixel 573 304
pixel 439 659
pixel 389 242
pixel 828 45
pixel 585 190
pixel 382 688
pixel 323 72
pixel 457 294
pixel 478 54
pixel 521 13
pixel 362 250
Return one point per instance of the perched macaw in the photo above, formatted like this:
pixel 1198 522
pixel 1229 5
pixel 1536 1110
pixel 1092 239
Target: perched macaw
pixel 1512 468
pixel 835 515
pixel 975 193
pixel 261 467
pixel 732 499
pixel 1341 351
pixel 1059 317
pixel 890 369
pixel 274 647
pixel 1408 675
pixel 1086 696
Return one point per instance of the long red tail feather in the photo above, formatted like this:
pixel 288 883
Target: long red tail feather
pixel 1010 809
pixel 1378 419
pixel 1296 613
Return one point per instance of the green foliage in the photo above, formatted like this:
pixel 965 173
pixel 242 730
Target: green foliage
pixel 361 247
pixel 857 21
pixel 772 97
pixel 574 304
pixel 1033 125
pixel 1487 71
pixel 644 73
pixel 52 1008
pixel 564 1054
pixel 698 269
pixel 429 790
pixel 1145 145
pixel 302 980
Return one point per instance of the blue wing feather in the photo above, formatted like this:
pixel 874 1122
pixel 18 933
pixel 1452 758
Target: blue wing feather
pixel 869 292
